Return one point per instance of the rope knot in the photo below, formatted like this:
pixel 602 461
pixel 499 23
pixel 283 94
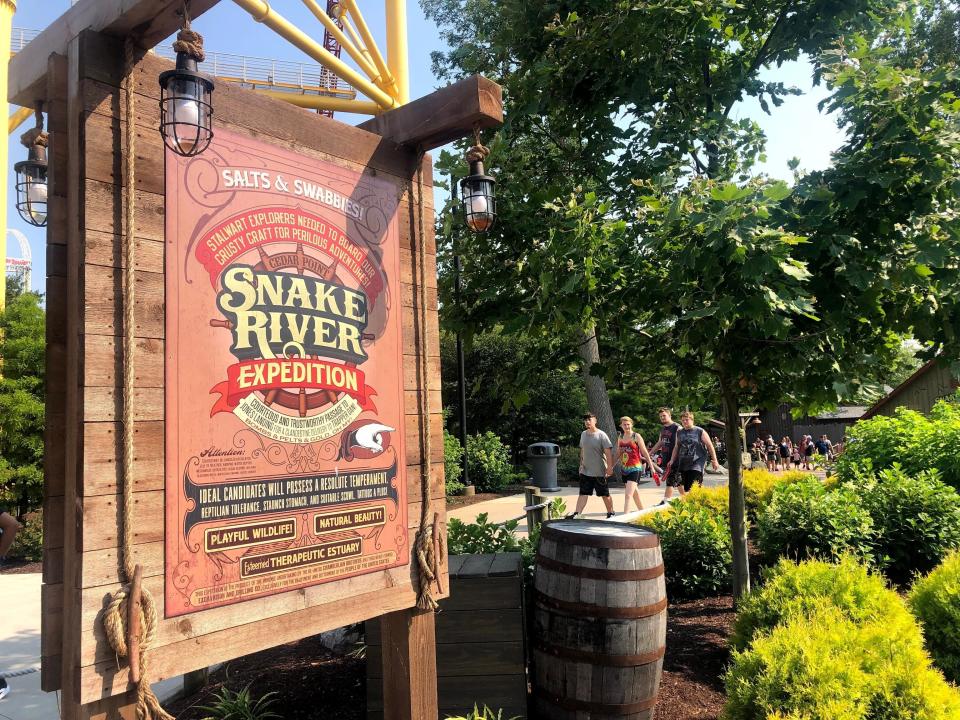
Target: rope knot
pixel 190 42
pixel 34 137
pixel 115 627
pixel 477 152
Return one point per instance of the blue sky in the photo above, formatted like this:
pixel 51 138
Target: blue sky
pixel 795 129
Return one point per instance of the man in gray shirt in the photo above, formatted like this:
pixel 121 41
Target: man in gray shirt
pixel 596 465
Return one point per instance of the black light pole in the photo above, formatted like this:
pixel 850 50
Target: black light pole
pixel 461 378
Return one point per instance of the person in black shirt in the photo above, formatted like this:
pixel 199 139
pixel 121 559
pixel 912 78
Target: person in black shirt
pixel 664 447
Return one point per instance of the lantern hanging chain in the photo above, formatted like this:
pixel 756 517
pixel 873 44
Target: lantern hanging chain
pixel 189 41
pixel 429 545
pixel 35 135
pixel 116 614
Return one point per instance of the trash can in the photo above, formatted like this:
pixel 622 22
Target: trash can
pixel 543 457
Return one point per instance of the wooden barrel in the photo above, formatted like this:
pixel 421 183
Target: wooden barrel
pixel 600 621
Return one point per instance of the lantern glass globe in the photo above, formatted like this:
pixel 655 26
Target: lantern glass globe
pixel 32 189
pixel 186 113
pixel 479 202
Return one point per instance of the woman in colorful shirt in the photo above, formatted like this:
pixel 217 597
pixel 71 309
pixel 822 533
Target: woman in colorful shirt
pixel 633 451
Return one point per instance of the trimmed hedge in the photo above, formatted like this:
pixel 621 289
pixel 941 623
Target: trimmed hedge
pixel 792 590
pixel 935 600
pixel 697 552
pixel 829 667
pixel 916 520
pixel 805 520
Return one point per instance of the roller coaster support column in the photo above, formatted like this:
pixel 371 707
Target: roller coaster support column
pixel 397 47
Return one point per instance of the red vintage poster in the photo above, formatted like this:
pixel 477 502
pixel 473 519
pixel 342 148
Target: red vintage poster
pixel 285 463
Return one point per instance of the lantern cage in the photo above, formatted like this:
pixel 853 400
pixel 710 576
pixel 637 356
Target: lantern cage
pixel 32 176
pixel 186 111
pixel 477 192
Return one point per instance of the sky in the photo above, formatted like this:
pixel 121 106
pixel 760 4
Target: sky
pixel 796 129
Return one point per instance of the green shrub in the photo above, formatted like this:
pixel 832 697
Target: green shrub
pixel 935 601
pixel 712 499
pixel 452 468
pixel 568 464
pixel 488 462
pixel 28 545
pixel 915 441
pixel 757 489
pixel 916 520
pixel 697 553
pixel 794 476
pixel 792 590
pixel 805 520
pixel 481 537
pixel 829 667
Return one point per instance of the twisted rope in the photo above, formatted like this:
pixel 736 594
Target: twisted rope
pixel 116 614
pixel 189 41
pixel 35 135
pixel 428 545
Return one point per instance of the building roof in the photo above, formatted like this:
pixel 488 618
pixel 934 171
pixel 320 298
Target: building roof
pixel 844 412
pixel 899 389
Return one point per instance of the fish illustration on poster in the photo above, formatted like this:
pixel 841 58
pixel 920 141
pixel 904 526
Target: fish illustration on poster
pixel 284 408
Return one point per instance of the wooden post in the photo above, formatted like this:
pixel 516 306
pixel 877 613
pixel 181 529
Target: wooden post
pixel 534 496
pixel 409 665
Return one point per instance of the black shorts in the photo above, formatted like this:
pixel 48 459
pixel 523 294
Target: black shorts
pixel 631 475
pixel 690 477
pixel 672 477
pixel 590 485
pixel 771 457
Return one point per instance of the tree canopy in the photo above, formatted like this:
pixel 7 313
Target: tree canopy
pixel 22 395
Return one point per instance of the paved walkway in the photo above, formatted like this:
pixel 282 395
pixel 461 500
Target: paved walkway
pixel 20 650
pixel 511 506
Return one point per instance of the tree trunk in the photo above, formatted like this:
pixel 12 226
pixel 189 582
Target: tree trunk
pixel 738 515
pixel 598 401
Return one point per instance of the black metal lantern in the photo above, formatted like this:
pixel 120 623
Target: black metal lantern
pixel 32 175
pixel 186 112
pixel 477 192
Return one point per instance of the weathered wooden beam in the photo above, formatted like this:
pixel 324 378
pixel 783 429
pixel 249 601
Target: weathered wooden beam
pixel 442 116
pixel 409 665
pixel 150 21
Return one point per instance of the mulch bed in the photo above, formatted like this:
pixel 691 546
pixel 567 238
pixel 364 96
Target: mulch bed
pixel 310 682
pixel 313 682
pixel 20 567
pixel 697 655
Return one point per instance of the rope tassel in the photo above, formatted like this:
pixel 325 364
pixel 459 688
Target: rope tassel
pixel 130 620
pixel 428 546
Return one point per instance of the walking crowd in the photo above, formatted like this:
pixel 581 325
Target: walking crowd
pixel 676 460
pixel 805 452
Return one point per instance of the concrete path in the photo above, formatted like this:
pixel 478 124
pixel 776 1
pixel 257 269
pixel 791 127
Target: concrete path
pixel 20 650
pixel 511 506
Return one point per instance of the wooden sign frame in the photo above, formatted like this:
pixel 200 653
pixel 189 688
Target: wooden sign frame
pixel 84 401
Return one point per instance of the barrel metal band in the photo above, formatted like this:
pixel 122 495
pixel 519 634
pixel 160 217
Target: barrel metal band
pixel 589 610
pixel 595 707
pixel 635 542
pixel 599 573
pixel 600 658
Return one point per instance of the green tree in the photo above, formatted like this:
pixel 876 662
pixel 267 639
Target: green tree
pixel 22 393
pixel 549 406
pixel 779 295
